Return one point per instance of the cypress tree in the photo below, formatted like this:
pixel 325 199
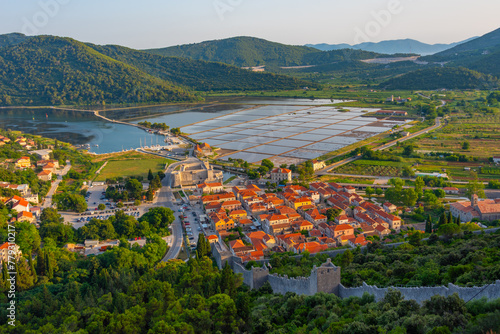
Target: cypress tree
pixel 16 271
pixel 40 264
pixel 150 175
pixel 450 218
pixel 443 220
pixel 49 270
pixel 457 221
pixel 428 224
pixel 4 272
pixel 32 268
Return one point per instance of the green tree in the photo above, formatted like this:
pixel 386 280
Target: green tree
pixel 150 195
pixel 419 185
pixel 268 163
pixel 428 224
pixel 346 259
pixel 443 220
pixel 134 188
pixel 150 175
pixel 448 230
pixel 439 193
pixel 101 207
pixel 465 145
pixel 397 183
pixel 369 191
pixel 409 197
pixel 28 238
pixel 415 238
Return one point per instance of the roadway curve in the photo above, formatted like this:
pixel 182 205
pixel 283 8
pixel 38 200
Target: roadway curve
pixel 166 198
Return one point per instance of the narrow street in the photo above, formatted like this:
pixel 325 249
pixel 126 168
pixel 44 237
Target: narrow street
pixel 47 203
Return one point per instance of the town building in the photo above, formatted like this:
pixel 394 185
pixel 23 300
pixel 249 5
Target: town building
pixel 451 190
pixel 23 162
pixel 9 249
pixel 210 187
pixel 42 154
pixel 318 165
pixel 203 150
pixel 45 175
pixel 487 210
pixel 281 174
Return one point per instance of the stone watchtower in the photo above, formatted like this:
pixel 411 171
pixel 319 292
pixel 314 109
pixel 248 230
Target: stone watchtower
pixel 328 278
pixel 260 276
pixel 474 201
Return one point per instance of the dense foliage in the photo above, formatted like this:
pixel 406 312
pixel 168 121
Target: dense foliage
pixel 251 51
pixel 466 261
pixel 198 74
pixel 125 291
pixel 53 70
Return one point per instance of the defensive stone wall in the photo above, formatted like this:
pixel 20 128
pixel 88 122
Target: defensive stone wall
pixel 420 294
pixel 299 285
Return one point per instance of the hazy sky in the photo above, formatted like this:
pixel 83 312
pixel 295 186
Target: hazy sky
pixel 159 23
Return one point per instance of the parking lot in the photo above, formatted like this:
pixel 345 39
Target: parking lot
pixel 95 197
pixel 192 222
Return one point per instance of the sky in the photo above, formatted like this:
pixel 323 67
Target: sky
pixel 160 23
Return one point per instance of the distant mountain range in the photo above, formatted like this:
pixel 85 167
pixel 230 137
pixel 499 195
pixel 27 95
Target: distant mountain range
pixel 50 70
pixel 401 46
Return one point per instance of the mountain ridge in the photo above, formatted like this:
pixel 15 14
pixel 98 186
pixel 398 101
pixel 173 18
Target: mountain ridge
pixel 395 46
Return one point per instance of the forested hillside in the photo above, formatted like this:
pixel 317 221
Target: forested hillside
pixel 445 77
pixel 250 51
pixel 53 70
pixel 197 74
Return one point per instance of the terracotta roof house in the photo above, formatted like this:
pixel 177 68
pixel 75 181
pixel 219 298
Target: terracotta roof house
pixel 203 150
pixel 212 238
pixel 488 210
pixel 239 248
pixel 343 229
pixel 25 216
pixel 281 174
pixel 312 247
pixel 357 241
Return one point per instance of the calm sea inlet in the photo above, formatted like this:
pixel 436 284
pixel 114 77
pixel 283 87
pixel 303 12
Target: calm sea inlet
pixel 82 127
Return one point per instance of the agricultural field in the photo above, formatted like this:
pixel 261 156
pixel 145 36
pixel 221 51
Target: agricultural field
pixel 375 168
pixel 130 164
pixel 482 132
pixel 458 171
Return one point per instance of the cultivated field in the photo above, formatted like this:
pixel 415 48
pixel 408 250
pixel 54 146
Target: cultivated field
pixel 482 132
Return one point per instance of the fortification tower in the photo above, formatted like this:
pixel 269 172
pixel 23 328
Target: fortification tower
pixel 328 278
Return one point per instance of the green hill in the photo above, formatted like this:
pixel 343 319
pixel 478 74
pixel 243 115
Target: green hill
pixel 445 77
pixel 250 51
pixel 12 39
pixel 240 51
pixel 197 74
pixel 53 70
pixel 481 54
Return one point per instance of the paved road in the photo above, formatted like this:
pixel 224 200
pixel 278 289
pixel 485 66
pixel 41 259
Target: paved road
pixel 166 198
pixel 328 169
pixel 436 125
pixel 47 203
